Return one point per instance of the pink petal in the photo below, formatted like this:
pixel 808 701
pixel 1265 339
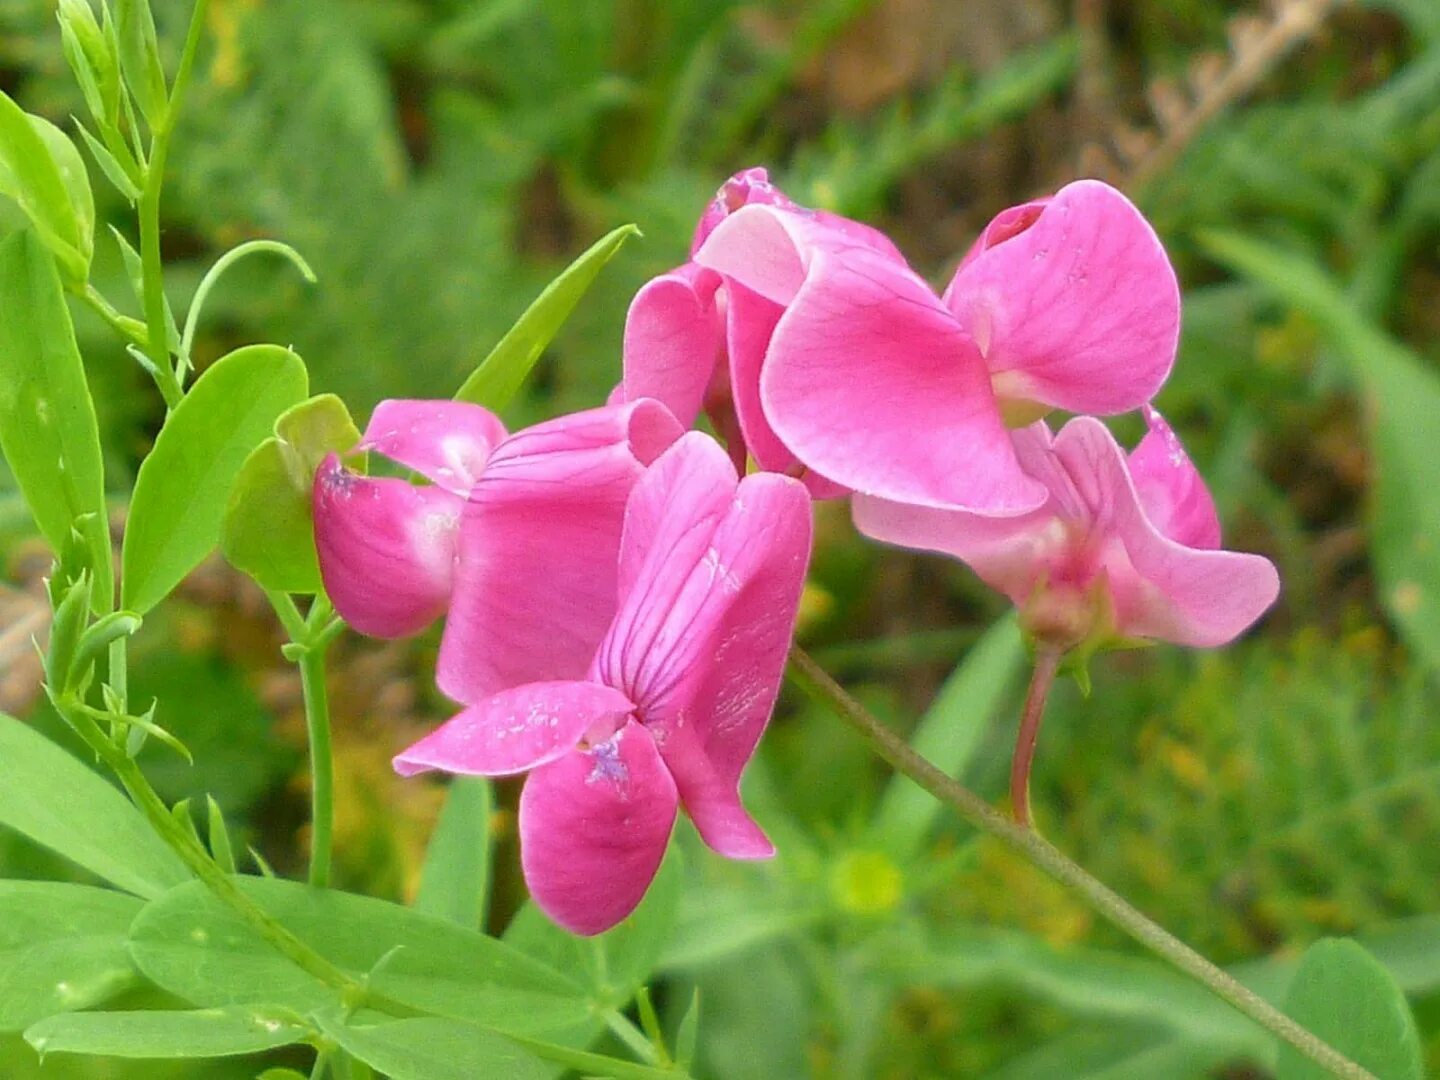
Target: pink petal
pixel 871 383
pixel 749 324
pixel 745 187
pixel 1079 310
pixel 1171 490
pixel 755 571
pixel 448 442
pixel 518 729
pixel 673 341
pixel 540 538
pixel 1004 226
pixel 593 828
pixel 1162 589
pixel 386 549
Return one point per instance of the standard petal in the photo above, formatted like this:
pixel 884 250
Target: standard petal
pixel 448 442
pixel 1171 490
pixel 673 339
pixel 1077 308
pixel 1161 589
pixel 593 828
pixel 386 549
pixel 749 324
pixel 535 584
pixel 870 382
pixel 754 572
pixel 518 729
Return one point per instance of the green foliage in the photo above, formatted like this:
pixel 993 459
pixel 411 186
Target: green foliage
pixel 455 881
pixel 434 1049
pixel 41 170
pixel 207 1033
pixel 184 485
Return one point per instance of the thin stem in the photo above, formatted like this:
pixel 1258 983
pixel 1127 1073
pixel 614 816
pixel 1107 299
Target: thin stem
pixel 1047 663
pixel 1055 863
pixel 322 766
pixel 633 1038
pixel 132 330
pixel 202 291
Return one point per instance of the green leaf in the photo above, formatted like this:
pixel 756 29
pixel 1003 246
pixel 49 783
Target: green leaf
pixel 184 484
pixel 455 880
pixel 503 372
pixel 435 1049
pixel 30 175
pixel 1343 995
pixel 1404 404
pixel 269 530
pixel 206 1033
pixel 62 947
pixel 950 732
pixel 112 168
pixel 57 802
pixel 615 963
pixel 71 166
pixel 48 429
pixel 88 53
pixel 140 58
pixel 191 944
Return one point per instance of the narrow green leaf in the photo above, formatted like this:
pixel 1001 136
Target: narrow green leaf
pixel 219 837
pixel 62 947
pixel 950 732
pixel 269 530
pixel 206 1033
pixel 47 419
pixel 1404 404
pixel 435 1049
pixel 76 180
pixel 588 1064
pixel 503 372
pixel 192 945
pixel 114 171
pixel 135 274
pixel 184 484
pixel 455 880
pixel 56 801
pixel 30 175
pixel 140 58
pixel 688 1035
pixel 1343 995
pixel 88 54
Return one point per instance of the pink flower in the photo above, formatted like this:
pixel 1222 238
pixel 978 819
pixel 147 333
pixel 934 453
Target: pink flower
pixel 696 339
pixel 517 537
pixel 675 698
pixel 872 380
pixel 1124 547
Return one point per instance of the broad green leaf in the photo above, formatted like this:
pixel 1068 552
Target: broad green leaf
pixel 269 530
pixel 140 58
pixel 30 175
pixel 62 947
pixel 47 420
pixel 503 372
pixel 191 944
pixel 1343 995
pixel 434 1049
pixel 205 1033
pixel 1404 401
pixel 615 963
pixel 950 732
pixel 61 804
pixel 184 484
pixel 455 880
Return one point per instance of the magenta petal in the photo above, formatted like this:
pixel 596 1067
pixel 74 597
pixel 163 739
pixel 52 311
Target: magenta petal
pixel 448 442
pixel 1168 591
pixel 535 584
pixel 386 549
pixel 673 340
pixel 870 382
pixel 749 324
pixel 593 828
pixel 518 729
pixel 1078 308
pixel 1171 490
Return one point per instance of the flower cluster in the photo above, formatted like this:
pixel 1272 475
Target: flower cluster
pixel 620 596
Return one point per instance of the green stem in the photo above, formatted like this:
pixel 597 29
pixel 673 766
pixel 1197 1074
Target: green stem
pixel 322 767
pixel 1050 859
pixel 1047 663
pixel 132 330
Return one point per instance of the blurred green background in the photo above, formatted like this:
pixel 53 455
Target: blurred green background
pixel 438 162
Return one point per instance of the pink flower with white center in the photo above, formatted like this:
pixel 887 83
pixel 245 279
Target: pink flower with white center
pixel 515 536
pixel 696 339
pixel 674 701
pixel 873 381
pixel 1124 547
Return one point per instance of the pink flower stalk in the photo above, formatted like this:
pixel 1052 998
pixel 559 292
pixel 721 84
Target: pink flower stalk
pixel 673 703
pixel 873 381
pixel 1124 547
pixel 516 536
pixel 696 339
